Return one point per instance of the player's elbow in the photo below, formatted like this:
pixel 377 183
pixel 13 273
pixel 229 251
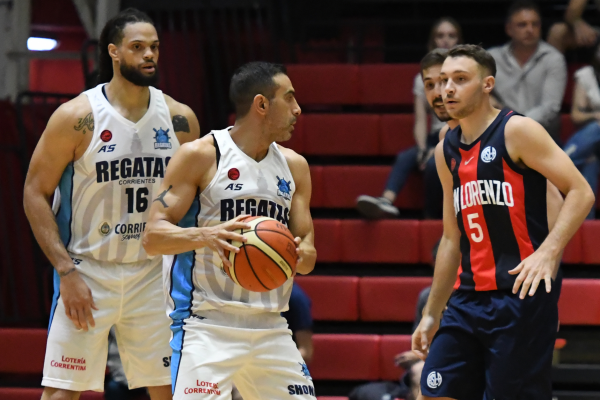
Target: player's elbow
pixel 590 197
pixel 149 240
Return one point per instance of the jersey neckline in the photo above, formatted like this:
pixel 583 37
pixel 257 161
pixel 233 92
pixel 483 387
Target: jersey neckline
pixel 246 156
pixel 121 118
pixel 486 132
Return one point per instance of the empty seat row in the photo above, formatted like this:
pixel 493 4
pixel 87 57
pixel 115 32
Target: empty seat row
pixel 10 393
pixel 411 241
pixel 333 84
pixel 357 357
pixel 394 299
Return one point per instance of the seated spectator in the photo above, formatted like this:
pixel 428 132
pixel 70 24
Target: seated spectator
pixel 574 32
pixel 300 322
pixel 408 385
pixel 584 146
pixel 531 75
pixel 445 34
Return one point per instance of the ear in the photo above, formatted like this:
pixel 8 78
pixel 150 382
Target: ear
pixel 488 84
pixel 112 51
pixel 261 104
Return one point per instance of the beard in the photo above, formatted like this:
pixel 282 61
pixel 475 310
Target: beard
pixel 135 76
pixel 444 116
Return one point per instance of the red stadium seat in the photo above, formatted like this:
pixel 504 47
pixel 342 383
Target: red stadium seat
pixel 334 298
pixel 8 393
pixel 590 232
pixel 316 198
pixel 387 83
pixel 390 298
pixel 396 133
pixel 345 357
pixel 343 184
pixel 390 346
pixel 573 250
pixel 391 241
pixel 567 128
pixel 579 302
pixel 328 240
pixel 430 232
pixel 22 350
pixel 325 84
pixel 341 134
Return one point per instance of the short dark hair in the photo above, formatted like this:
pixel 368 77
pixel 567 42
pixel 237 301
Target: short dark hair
pixel 251 79
pixel 521 5
pixel 477 53
pixel 434 57
pixel 113 33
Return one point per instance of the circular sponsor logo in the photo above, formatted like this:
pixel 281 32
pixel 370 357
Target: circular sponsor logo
pixel 105 228
pixel 434 380
pixel 488 154
pixel 233 174
pixel 106 136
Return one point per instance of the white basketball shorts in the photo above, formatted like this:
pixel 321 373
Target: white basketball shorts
pixel 256 352
pixel 128 296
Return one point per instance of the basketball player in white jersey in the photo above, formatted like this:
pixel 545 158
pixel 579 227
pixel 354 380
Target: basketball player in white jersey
pixel 107 151
pixel 223 333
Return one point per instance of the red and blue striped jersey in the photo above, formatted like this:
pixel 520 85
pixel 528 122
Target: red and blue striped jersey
pixel 500 207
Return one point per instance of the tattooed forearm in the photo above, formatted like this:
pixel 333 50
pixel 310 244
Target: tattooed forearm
pixel 181 124
pixel 161 197
pixel 85 123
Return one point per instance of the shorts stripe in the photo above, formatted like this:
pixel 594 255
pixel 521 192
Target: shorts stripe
pixel 64 217
pixel 55 297
pixel 177 346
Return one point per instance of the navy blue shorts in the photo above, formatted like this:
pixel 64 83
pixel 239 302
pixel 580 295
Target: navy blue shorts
pixel 493 345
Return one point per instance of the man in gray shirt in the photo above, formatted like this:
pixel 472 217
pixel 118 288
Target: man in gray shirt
pixel 531 75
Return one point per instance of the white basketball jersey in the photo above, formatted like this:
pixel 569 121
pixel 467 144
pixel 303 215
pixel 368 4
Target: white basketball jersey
pixel 104 197
pixel 195 281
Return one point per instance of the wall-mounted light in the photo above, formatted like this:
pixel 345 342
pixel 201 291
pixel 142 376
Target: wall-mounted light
pixel 41 44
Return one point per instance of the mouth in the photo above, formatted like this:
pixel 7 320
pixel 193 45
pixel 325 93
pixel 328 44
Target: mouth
pixel 149 67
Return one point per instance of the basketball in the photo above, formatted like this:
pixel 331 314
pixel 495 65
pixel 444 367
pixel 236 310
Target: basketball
pixel 267 259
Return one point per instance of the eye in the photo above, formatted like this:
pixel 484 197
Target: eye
pixel 429 86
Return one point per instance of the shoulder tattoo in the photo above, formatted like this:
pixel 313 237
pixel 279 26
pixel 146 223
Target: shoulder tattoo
pixel 181 124
pixel 85 123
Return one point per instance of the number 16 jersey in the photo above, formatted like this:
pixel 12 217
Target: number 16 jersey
pixel 500 207
pixel 104 197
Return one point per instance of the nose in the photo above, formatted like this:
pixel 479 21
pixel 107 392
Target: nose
pixel 296 110
pixel 148 54
pixel 449 87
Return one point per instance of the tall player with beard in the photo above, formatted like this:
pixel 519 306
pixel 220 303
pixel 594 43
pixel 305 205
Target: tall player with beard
pixel 223 333
pixel 501 236
pixel 106 153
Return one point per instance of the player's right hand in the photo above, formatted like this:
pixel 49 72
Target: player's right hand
pixel 216 237
pixel 78 300
pixel 423 335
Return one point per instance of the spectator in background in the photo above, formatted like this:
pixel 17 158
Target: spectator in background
pixel 584 146
pixel 531 75
pixel 445 33
pixel 574 32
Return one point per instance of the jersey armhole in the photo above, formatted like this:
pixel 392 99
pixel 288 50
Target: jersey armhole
pixel 507 159
pixel 218 151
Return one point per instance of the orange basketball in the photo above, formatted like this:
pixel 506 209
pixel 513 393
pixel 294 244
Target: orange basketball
pixel 267 259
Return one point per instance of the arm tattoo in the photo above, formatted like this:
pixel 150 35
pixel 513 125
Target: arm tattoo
pixel 181 124
pixel 161 197
pixel 85 123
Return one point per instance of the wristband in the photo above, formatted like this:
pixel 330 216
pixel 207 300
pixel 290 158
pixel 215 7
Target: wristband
pixel 65 273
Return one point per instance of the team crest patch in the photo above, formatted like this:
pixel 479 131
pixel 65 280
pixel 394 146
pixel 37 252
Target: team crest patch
pixel 162 139
pixel 434 380
pixel 105 229
pixel 283 188
pixel 305 371
pixel 452 164
pixel 488 154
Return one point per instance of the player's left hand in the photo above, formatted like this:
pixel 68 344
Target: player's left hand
pixel 538 266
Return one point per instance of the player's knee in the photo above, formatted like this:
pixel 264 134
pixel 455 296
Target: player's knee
pixel 59 394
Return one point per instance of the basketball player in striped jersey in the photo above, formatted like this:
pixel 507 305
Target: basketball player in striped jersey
pixel 107 151
pixel 223 333
pixel 496 337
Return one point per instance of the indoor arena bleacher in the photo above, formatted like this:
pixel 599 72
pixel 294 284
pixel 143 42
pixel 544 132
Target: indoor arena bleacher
pixel 353 71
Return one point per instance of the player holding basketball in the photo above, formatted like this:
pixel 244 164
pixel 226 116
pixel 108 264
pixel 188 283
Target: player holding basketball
pixel 223 333
pixel 497 335
pixel 107 151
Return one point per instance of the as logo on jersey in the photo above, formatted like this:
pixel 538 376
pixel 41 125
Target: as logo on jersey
pixel 283 188
pixel 162 139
